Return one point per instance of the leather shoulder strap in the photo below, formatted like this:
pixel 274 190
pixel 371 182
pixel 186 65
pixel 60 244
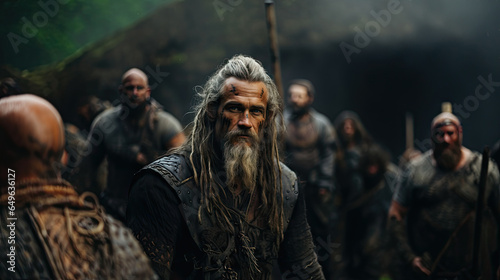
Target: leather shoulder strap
pixel 290 192
pixel 174 169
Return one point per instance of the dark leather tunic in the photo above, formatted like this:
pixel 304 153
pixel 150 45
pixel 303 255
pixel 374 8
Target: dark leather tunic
pixel 215 253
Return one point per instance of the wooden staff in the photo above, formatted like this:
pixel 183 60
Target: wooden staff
pixel 479 213
pixel 409 131
pixel 273 41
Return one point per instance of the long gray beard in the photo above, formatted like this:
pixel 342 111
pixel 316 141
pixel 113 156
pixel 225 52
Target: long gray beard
pixel 241 165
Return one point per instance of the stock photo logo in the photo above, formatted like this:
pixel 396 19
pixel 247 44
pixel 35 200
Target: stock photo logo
pixel 31 26
pixel 372 29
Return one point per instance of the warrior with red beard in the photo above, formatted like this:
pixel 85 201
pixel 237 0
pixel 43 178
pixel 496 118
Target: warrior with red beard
pixel 433 208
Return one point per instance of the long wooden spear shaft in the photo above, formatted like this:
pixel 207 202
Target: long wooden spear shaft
pixel 409 130
pixel 479 213
pixel 273 41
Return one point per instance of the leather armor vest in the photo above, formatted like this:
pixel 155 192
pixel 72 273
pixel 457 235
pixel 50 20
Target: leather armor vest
pixel 249 250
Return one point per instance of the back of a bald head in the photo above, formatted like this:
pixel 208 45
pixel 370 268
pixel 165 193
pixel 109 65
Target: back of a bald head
pixel 31 134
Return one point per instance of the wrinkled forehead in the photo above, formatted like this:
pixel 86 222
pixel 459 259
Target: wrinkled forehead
pixel 235 88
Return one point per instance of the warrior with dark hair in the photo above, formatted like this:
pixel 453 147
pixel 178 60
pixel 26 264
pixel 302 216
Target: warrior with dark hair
pixel 222 205
pixel 433 209
pixel 49 231
pixel 353 138
pixel 365 254
pixel 310 141
pixel 310 145
pixel 351 130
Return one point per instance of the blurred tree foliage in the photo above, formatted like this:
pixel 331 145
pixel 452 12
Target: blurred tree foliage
pixel 31 30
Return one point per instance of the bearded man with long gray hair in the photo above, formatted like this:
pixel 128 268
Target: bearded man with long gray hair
pixel 223 205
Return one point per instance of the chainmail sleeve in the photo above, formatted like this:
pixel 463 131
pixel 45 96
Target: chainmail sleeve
pixel 297 258
pixel 155 219
pixel 328 150
pixel 398 230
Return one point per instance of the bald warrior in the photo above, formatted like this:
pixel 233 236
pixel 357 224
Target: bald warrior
pixel 48 231
pixel 433 209
pixel 130 136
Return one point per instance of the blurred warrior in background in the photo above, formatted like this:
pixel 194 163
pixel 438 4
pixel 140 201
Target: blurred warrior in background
pixel 310 145
pixel 88 108
pixel 433 209
pixel 366 253
pixel 352 139
pixel 130 136
pixel 49 231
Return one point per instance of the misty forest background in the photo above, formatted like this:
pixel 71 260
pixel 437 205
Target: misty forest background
pixel 402 56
